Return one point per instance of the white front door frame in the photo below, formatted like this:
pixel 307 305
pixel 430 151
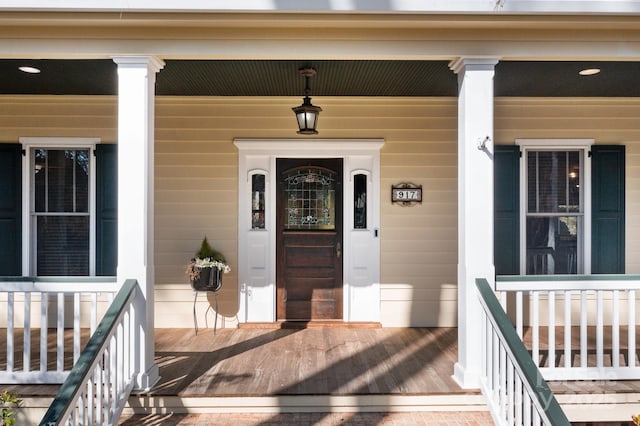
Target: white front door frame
pixel 256 247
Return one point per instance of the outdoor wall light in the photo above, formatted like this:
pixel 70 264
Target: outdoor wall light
pixel 307 114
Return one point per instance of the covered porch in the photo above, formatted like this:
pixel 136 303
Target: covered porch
pixel 273 371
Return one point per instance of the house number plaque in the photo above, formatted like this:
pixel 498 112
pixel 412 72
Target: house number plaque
pixel 406 193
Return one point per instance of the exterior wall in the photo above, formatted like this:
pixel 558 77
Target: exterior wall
pixel 196 169
pixel 608 121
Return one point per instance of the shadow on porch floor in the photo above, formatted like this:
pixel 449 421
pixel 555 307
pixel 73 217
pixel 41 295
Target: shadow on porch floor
pixel 324 361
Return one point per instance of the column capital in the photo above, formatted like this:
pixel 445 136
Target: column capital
pixel 462 63
pixel 154 63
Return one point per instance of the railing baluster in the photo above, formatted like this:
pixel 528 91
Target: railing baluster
pixel 518 401
pixel 99 384
pixel 10 331
pixel 44 331
pixel 615 329
pixel 567 329
pixel 94 312
pixel 551 335
pixel 26 358
pixel 90 403
pixel 112 374
pixel 584 309
pixel 77 331
pixel 60 334
pixel 526 415
pixel 599 329
pixel 502 384
pixel 535 328
pixel 519 314
pixel 510 394
pixel 631 328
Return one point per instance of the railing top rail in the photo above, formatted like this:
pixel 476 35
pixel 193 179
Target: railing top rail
pixel 71 279
pixel 567 282
pixel 86 362
pixel 520 356
pixel 59 284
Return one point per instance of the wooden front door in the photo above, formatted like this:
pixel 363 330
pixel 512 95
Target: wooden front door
pixel 309 239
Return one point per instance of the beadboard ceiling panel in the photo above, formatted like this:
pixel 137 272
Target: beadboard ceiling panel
pixel 334 78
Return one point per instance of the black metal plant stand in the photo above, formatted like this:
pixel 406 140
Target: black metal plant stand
pixel 210 280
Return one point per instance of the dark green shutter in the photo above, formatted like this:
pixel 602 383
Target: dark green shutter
pixel 10 209
pixel 106 209
pixel 607 211
pixel 506 209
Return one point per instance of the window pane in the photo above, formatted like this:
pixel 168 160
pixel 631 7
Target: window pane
pixel 360 201
pixel 40 180
pixel 63 245
pixel 574 182
pixel 257 201
pixel 310 199
pixel 61 180
pixel 81 170
pixel 552 245
pixel 553 181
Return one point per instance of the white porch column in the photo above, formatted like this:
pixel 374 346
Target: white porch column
pixel 475 207
pixel 136 92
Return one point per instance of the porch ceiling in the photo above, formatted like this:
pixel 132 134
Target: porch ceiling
pixel 334 78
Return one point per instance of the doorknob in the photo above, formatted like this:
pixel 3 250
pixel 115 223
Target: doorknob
pixel 338 250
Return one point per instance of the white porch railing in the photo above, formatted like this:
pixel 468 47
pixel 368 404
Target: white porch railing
pixel 100 382
pixel 576 327
pixel 515 390
pixel 37 307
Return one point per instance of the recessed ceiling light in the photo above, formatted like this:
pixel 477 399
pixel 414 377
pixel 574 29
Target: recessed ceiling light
pixel 29 70
pixel 590 71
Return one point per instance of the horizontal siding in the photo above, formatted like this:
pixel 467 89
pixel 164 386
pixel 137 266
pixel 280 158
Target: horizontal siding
pixel 196 178
pixel 608 121
pixel 196 169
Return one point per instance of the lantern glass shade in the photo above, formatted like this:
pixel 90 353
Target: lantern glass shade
pixel 307 116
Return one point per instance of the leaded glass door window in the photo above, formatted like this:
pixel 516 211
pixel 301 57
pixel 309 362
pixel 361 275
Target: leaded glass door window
pixel 310 201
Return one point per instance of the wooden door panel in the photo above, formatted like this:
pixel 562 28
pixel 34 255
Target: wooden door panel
pixel 309 261
pixel 312 256
pixel 312 289
pixel 309 311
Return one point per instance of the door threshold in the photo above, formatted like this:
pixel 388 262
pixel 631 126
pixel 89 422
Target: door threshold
pixel 309 324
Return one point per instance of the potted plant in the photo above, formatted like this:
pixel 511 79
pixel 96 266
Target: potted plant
pixel 206 269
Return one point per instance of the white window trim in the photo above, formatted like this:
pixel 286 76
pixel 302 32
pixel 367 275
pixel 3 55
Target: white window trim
pixel 28 266
pixel 556 144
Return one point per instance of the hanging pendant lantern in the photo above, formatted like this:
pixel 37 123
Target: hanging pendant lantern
pixel 307 114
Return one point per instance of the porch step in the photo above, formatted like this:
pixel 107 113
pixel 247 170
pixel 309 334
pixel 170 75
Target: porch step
pixel 305 404
pixel 580 408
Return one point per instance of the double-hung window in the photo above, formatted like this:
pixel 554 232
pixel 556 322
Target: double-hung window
pixel 559 207
pixel 59 213
pixel 554 219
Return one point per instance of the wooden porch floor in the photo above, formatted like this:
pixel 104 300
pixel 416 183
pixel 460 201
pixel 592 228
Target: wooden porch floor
pixel 311 361
pixel 317 370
